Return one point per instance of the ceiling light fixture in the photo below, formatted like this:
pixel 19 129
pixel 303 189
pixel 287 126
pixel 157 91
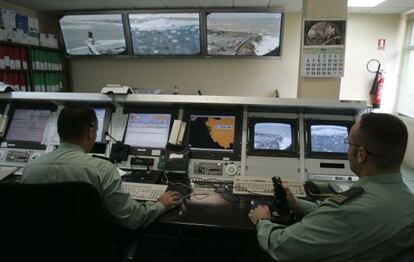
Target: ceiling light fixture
pixel 364 3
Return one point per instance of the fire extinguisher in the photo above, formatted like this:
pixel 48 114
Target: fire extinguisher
pixel 376 98
pixel 378 83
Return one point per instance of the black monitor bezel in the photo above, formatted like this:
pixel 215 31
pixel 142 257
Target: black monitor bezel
pixel 26 144
pixel 147 151
pixel 324 155
pixel 212 154
pixel 294 124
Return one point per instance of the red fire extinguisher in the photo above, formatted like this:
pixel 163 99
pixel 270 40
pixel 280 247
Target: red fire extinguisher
pixel 378 83
pixel 378 91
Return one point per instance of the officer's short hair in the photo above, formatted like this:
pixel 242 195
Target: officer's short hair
pixel 75 120
pixel 385 136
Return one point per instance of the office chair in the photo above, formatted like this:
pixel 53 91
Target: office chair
pixel 54 222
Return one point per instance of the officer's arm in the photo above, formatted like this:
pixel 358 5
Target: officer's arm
pixel 306 207
pixel 319 234
pixel 124 210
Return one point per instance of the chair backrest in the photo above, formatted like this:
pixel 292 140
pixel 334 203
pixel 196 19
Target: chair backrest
pixel 53 222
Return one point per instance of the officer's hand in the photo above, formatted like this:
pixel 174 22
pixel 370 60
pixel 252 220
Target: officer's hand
pixel 170 199
pixel 260 212
pixel 292 200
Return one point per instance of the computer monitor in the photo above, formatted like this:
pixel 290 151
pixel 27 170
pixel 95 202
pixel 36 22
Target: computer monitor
pixel 273 137
pixel 148 130
pixel 104 117
pixel 26 128
pixel 214 135
pixel 325 139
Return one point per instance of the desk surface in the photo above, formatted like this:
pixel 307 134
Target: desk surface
pixel 217 210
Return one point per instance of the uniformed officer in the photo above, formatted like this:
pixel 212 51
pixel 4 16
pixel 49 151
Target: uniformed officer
pixel 373 221
pixel 77 127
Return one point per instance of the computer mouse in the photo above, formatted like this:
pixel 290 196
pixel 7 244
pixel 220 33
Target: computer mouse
pixel 312 187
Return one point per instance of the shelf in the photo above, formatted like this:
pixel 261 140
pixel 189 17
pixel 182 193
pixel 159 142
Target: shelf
pixel 15 70
pixel 36 57
pixel 47 71
pixel 30 46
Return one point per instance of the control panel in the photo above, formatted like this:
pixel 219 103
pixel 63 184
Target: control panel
pixel 337 178
pixel 18 157
pixel 214 168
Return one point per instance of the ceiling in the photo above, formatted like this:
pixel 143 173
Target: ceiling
pixel 389 6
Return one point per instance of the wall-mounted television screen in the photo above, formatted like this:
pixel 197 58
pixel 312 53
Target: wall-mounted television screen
pixel 165 33
pixel 244 33
pixel 93 34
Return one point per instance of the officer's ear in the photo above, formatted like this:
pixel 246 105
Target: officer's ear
pixel 362 154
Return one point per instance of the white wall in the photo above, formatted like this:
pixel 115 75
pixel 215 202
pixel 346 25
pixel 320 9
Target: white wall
pixel 409 154
pixel 363 32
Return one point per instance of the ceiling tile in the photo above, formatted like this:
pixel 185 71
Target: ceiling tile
pixel 215 3
pixel 251 3
pixel 389 6
pixel 181 3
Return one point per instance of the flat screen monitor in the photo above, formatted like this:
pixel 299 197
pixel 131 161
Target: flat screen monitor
pixel 326 139
pixel 165 33
pixel 104 117
pixel 244 33
pixel 214 135
pixel 93 34
pixel 27 127
pixel 148 130
pixel 272 137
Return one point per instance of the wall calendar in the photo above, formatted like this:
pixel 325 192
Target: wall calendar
pixel 323 50
pixel 323 62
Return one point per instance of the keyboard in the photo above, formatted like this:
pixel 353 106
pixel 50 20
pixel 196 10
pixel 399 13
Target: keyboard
pixel 143 191
pixel 338 188
pixel 248 185
pixel 5 171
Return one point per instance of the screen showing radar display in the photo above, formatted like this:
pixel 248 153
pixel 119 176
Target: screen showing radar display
pixel 272 136
pixel 28 125
pixel 209 132
pixel 148 130
pixel 329 138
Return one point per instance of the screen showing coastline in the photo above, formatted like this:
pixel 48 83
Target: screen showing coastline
pixel 165 34
pixel 101 34
pixel 212 133
pixel 244 34
pixel 147 130
pixel 328 138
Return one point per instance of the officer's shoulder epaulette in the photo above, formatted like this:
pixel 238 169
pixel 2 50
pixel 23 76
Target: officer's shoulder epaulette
pixel 102 157
pixel 341 198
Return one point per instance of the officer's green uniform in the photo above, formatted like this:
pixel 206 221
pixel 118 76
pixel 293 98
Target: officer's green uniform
pixel 377 225
pixel 70 163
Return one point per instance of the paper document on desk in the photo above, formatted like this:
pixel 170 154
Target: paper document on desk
pixel 121 172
